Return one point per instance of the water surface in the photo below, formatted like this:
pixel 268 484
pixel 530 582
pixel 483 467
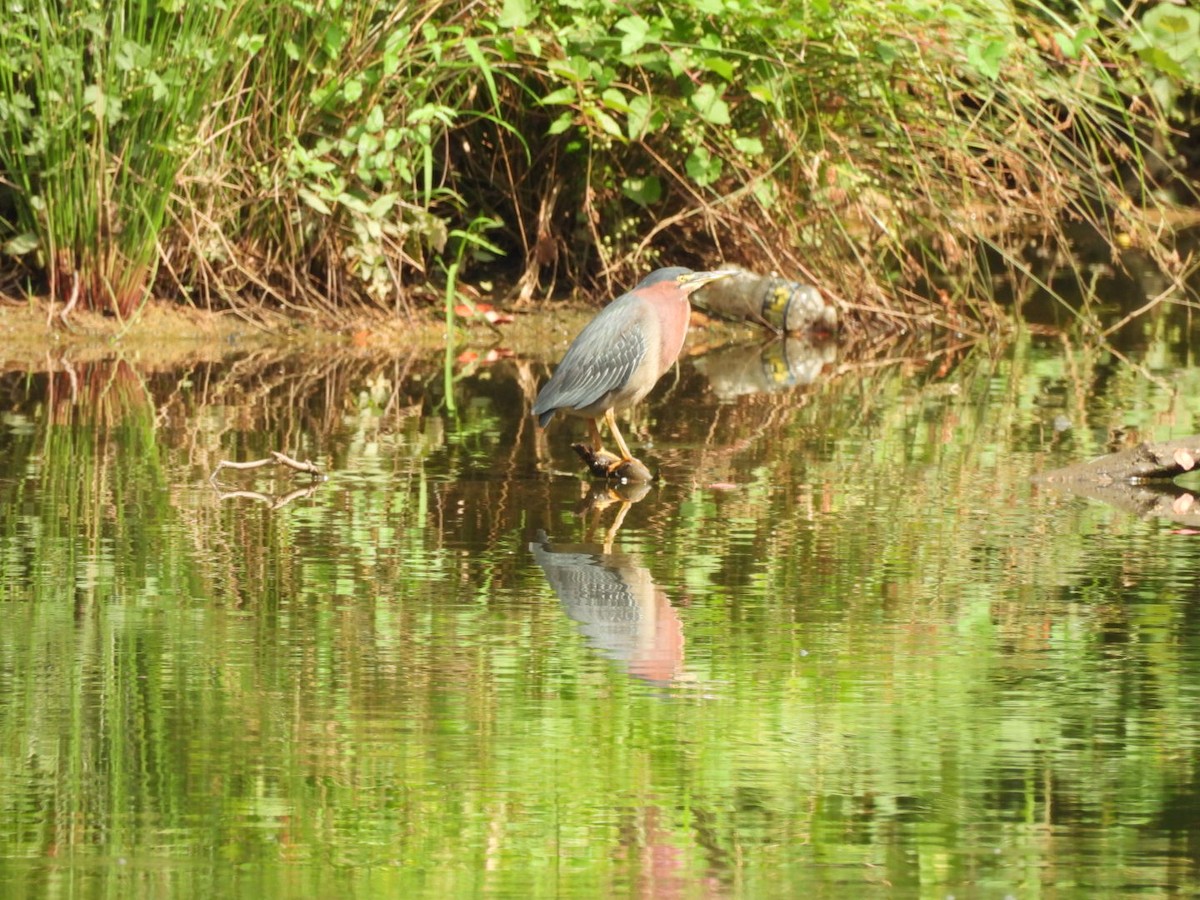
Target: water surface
pixel 846 646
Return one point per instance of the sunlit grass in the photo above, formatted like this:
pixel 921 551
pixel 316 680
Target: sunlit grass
pixel 320 160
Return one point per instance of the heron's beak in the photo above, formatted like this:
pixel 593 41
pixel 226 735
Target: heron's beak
pixel 696 280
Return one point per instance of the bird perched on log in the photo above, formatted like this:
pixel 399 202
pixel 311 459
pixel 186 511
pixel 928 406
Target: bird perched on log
pixel 618 358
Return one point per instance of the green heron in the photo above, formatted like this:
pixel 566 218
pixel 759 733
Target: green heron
pixel 620 355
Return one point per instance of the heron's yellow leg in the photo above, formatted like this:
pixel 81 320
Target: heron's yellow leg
pixel 597 440
pixel 611 418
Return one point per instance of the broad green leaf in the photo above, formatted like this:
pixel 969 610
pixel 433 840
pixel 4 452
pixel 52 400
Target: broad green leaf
pixel 1172 22
pixel 719 66
pixel 766 193
pixel 634 30
pixel 158 87
pixel 762 92
pixel 1161 60
pixel 638 123
pixel 702 167
pixel 644 191
pixel 94 99
pixel 614 99
pixel 352 90
pixel 515 14
pixel 606 122
pixel 709 104
pixel 251 43
pixel 1065 45
pixel 21 244
pixel 314 201
pixel 334 39
pixel 562 95
pixel 375 120
pixel 383 205
pixel 751 146
pixel 986 57
pixel 562 123
pixel 886 53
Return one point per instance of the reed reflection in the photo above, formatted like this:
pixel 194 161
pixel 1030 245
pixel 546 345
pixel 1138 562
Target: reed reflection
pixel 612 597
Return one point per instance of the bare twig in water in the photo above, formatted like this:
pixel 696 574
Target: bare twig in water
pixel 281 459
pixel 269 499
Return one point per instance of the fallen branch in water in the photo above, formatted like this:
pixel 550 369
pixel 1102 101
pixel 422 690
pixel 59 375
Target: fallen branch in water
pixel 269 499
pixel 1148 461
pixel 277 458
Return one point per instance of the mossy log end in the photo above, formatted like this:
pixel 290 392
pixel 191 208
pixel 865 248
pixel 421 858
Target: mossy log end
pixel 1148 461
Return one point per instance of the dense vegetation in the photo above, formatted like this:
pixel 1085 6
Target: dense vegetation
pixel 319 158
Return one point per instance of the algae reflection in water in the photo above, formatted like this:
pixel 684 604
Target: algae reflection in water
pixel 886 660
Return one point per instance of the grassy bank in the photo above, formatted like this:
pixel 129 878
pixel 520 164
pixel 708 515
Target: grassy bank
pixel 319 161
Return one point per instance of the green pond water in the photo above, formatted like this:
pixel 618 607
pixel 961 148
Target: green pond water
pixel 846 647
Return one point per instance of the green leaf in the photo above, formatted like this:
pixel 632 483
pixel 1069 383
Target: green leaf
pixel 334 39
pixel 762 92
pixel 606 122
pixel 709 104
pixel 352 90
pixel 644 191
pixel 986 57
pixel 314 201
pixel 1162 61
pixel 1172 22
pixel 638 123
pixel 1065 45
pixel 251 43
pixel 766 193
pixel 751 146
pixel 614 99
pixel 886 53
pixel 562 123
pixel 481 63
pixel 635 30
pixel 515 14
pixel 375 120
pixel 720 67
pixel 702 167
pixel 562 95
pixel 94 99
pixel 383 205
pixel 158 87
pixel 21 244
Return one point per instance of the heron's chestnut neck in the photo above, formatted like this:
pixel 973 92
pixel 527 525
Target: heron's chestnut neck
pixel 673 312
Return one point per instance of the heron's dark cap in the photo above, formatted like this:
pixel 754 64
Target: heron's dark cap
pixel 658 276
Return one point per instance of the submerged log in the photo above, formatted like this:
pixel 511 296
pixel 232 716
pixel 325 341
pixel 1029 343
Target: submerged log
pixel 1156 500
pixel 1148 461
pixel 1137 480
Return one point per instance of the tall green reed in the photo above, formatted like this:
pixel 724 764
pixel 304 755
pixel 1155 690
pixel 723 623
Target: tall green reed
pixel 98 107
pixel 317 159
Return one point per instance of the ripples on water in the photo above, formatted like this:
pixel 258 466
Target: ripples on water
pixel 846 645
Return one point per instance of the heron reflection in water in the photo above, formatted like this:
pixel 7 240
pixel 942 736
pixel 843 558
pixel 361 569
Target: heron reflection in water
pixel 612 597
